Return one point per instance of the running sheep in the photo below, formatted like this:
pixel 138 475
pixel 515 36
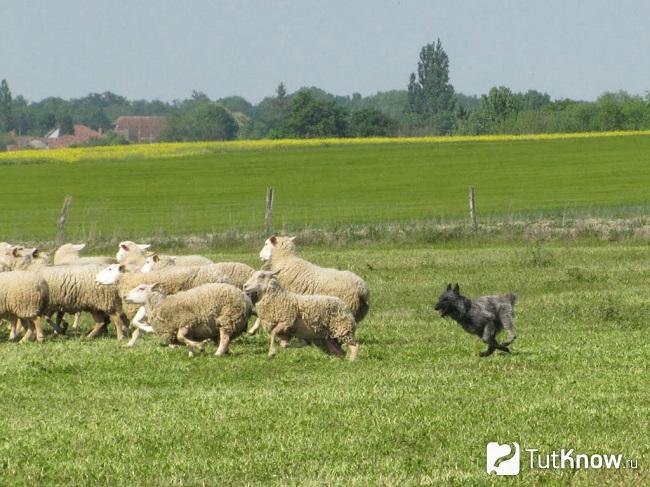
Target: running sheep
pixel 73 289
pixel 23 296
pixel 303 277
pixel 211 311
pixel 323 320
pixel 171 281
pixel 134 256
pixel 68 254
pixel 237 272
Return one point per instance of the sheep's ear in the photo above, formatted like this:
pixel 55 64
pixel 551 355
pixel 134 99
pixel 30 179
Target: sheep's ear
pixel 80 246
pixel 273 239
pixel 156 258
pixel 274 273
pixel 292 238
pixel 449 287
pixel 155 286
pixel 457 289
pixel 15 251
pixel 124 246
pixel 35 252
pixel 143 246
pixel 121 268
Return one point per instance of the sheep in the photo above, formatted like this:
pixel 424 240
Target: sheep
pixel 303 277
pixel 201 313
pixel 73 289
pixel 172 280
pixel 239 273
pixel 69 254
pixel 23 296
pixel 133 256
pixel 324 320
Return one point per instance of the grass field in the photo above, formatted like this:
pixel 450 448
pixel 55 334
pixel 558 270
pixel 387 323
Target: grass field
pixel 417 409
pixel 321 186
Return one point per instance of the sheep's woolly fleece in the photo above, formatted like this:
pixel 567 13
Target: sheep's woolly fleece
pixel 23 294
pixel 204 310
pixel 300 276
pixel 73 288
pixel 237 272
pixel 69 254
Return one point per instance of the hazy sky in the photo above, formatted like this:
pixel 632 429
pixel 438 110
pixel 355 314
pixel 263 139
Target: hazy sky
pixel 164 49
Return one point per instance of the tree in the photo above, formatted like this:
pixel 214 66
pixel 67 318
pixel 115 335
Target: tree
pixel 314 117
pixel 430 95
pixel 369 122
pixel 6 123
pixel 206 121
pixel 66 126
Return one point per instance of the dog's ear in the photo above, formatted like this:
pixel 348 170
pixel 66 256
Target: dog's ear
pixel 457 289
pixel 449 287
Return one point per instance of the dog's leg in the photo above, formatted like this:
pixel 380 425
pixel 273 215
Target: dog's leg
pixel 488 337
pixel 503 348
pixel 507 319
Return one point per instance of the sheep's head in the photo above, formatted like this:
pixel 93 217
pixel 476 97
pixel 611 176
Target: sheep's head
pixel 139 294
pixel 275 245
pixel 259 283
pixel 151 261
pixel 111 274
pixel 127 246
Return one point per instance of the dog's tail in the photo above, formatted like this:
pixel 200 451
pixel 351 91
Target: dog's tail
pixel 512 297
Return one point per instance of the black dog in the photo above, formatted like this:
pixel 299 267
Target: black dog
pixel 484 316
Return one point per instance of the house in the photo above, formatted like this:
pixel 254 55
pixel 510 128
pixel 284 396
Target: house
pixel 140 129
pixel 54 139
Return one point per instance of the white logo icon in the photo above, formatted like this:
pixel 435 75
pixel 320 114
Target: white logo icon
pixel 502 459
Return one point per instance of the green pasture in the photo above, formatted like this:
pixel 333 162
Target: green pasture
pixel 418 408
pixel 322 187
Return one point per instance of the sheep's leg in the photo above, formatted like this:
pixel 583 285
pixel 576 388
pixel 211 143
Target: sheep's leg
pixel 19 327
pixel 191 344
pixel 334 348
pixel 29 331
pixel 75 323
pixel 38 326
pixel 13 334
pixel 138 324
pixel 120 322
pixel 255 327
pixel 60 320
pixel 224 341
pixel 279 328
pixel 101 324
pixel 354 351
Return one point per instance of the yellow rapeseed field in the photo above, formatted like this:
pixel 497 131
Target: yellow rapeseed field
pixel 177 149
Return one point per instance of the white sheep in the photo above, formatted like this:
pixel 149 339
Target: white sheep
pixel 68 254
pixel 134 256
pixel 171 281
pixel 23 296
pixel 189 317
pixel 239 273
pixel 73 289
pixel 303 277
pixel 323 320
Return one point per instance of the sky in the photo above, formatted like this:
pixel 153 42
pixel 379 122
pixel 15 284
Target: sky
pixel 164 49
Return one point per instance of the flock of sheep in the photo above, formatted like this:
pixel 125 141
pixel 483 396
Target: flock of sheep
pixel 185 300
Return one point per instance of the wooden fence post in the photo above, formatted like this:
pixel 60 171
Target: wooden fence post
pixel 472 208
pixel 60 235
pixel 268 214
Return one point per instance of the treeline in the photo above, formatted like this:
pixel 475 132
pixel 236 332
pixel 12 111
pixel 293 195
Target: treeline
pixel 429 106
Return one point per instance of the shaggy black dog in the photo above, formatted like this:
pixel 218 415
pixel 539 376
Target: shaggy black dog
pixel 484 316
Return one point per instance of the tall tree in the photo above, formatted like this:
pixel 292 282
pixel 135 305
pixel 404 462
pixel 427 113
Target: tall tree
pixel 430 95
pixel 5 107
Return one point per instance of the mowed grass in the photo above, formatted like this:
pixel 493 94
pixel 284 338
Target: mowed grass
pixel 417 408
pixel 322 186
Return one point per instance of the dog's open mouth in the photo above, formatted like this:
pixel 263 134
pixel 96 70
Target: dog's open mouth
pixel 441 312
